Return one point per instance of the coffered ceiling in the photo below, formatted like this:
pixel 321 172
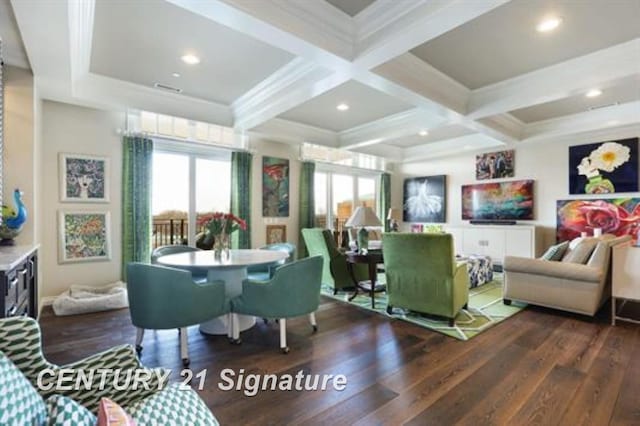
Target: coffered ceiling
pixel 475 74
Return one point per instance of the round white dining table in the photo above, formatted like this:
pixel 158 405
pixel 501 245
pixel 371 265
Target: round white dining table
pixel 233 270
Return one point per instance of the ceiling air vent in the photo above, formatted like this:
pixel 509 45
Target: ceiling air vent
pixel 167 88
pixel 603 106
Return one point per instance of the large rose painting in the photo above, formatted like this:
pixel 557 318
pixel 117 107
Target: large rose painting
pixel 619 216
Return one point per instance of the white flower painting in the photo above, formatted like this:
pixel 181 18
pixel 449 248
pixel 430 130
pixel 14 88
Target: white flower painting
pixel 425 199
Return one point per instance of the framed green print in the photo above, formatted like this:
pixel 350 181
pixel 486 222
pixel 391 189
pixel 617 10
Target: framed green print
pixel 84 178
pixel 84 236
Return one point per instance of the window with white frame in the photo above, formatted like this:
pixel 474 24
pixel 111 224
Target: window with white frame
pixel 339 191
pixel 188 182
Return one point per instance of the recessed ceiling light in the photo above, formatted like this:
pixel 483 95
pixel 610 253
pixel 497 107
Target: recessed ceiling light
pixel 549 24
pixel 342 107
pixel 176 74
pixel 190 59
pixel 593 93
pixel 423 133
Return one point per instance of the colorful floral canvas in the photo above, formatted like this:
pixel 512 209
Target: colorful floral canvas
pixel 494 165
pixel 604 168
pixel 425 199
pixel 84 178
pixel 275 187
pixel 619 216
pixel 84 236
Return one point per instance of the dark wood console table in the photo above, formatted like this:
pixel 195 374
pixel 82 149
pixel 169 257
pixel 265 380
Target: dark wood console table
pixel 372 259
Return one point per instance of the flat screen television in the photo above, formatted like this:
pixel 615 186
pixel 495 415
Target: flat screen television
pixel 497 201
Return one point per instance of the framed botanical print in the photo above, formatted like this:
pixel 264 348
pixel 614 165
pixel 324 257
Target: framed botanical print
pixel 84 178
pixel 84 236
pixel 276 234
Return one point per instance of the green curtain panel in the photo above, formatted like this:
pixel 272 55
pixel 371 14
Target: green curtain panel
pixel 383 200
pixel 307 210
pixel 241 196
pixel 137 163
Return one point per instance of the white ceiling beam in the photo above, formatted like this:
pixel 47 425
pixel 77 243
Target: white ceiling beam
pixel 395 126
pixel 601 118
pixel 453 146
pixel 293 132
pixel 572 77
pixel 385 30
pixel 286 25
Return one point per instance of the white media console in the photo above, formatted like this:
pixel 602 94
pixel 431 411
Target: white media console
pixel 496 241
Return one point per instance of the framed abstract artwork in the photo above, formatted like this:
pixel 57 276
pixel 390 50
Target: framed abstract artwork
pixel 276 234
pixel 275 187
pixel 617 216
pixel 84 236
pixel 84 178
pixel 496 201
pixel 494 165
pixel 604 168
pixel 424 199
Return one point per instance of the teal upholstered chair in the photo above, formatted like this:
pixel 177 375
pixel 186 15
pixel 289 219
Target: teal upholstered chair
pixel 262 272
pixel 162 298
pixel 422 274
pixel 149 403
pixel 198 275
pixel 293 291
pixel 320 242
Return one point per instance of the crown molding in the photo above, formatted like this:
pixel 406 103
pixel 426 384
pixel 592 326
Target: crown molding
pixel 569 78
pixel 588 121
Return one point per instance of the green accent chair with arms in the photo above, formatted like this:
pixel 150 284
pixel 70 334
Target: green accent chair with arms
pixel 423 276
pixel 320 242
pixel 163 298
pixel 264 272
pixel 293 291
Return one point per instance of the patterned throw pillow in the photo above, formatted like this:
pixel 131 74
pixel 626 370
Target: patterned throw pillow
pixel 111 414
pixel 65 411
pixel 20 403
pixel 555 252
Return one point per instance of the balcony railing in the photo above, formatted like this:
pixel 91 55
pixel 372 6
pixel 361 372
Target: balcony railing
pixel 169 232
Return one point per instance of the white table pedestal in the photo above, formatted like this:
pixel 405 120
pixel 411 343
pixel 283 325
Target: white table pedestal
pixel 233 278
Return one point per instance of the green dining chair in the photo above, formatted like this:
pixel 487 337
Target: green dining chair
pixel 423 276
pixel 162 298
pixel 294 290
pixel 198 275
pixel 320 242
pixel 264 272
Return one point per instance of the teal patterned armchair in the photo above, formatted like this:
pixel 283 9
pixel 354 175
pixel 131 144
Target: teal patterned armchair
pixel 20 343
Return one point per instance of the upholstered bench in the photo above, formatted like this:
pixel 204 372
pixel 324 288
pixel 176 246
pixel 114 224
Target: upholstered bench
pixel 480 269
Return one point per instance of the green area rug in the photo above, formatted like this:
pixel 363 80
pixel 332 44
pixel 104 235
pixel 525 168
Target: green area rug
pixel 485 309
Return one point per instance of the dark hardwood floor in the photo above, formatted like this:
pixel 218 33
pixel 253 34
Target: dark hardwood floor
pixel 538 367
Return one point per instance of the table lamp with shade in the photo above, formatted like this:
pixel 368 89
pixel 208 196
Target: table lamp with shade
pixel 362 218
pixel 394 216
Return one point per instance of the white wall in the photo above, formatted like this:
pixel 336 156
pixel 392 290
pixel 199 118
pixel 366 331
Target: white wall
pixel 78 130
pixel 19 145
pixel 545 162
pixel 259 223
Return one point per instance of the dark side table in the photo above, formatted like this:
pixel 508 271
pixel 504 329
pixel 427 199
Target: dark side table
pixel 372 259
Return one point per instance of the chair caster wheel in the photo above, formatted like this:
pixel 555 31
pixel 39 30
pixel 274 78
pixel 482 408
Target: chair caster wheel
pixel 237 341
pixel 285 350
pixel 265 320
pixel 186 362
pixel 138 349
pixel 389 309
pixel 315 328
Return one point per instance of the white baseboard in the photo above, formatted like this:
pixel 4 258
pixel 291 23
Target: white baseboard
pixel 45 301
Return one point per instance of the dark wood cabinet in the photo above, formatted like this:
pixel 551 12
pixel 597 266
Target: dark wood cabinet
pixel 19 278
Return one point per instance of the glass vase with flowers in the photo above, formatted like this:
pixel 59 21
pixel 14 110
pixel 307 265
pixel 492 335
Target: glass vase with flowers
pixel 219 226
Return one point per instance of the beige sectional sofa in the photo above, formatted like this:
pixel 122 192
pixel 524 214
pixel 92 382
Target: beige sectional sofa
pixel 574 287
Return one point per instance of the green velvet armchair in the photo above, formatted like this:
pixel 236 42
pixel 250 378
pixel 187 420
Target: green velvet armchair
pixel 293 291
pixel 422 274
pixel 320 242
pixel 162 298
